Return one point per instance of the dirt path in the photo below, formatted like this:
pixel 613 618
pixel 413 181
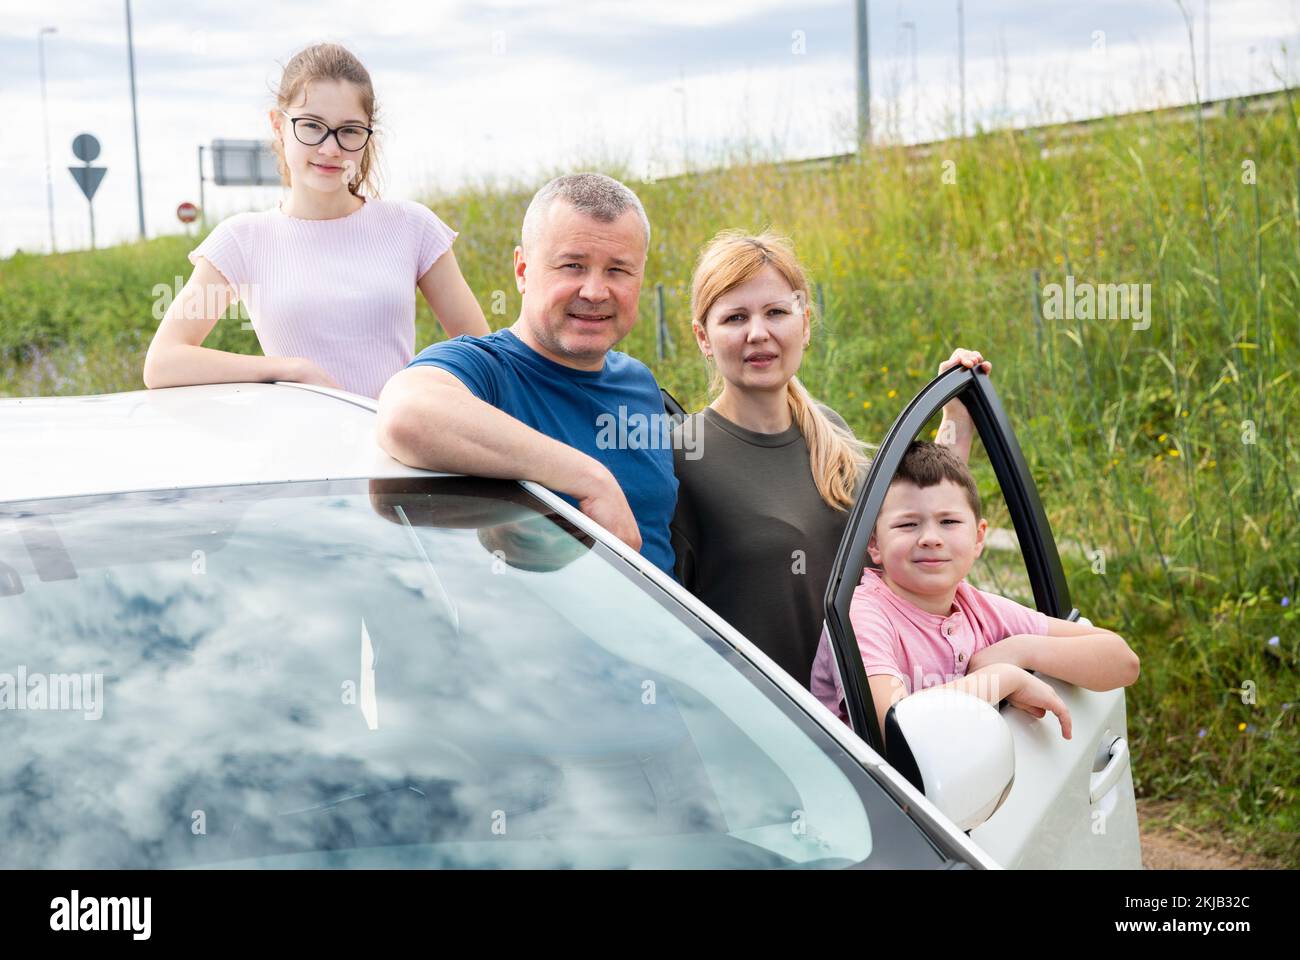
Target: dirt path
pixel 1169 845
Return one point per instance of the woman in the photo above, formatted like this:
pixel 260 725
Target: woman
pixel 762 508
pixel 328 276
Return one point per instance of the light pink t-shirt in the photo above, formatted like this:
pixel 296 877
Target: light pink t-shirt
pixel 922 649
pixel 339 292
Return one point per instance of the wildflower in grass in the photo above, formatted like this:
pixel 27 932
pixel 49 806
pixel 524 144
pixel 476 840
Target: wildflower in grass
pixel 1201 733
pixel 1173 453
pixel 1286 601
pixel 1159 457
pixel 866 404
pixel 1162 438
pixel 892 394
pixel 1274 641
pixel 884 369
pixel 1241 727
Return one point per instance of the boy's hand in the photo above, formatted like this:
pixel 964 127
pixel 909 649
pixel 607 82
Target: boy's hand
pixel 1036 697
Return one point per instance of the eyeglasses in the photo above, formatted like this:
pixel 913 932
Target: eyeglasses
pixel 312 133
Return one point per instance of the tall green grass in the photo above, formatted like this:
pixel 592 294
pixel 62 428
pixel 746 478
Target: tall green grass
pixel 1166 453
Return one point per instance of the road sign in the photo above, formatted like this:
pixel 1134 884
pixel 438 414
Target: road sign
pixel 85 147
pixel 244 163
pixel 88 178
pixel 187 212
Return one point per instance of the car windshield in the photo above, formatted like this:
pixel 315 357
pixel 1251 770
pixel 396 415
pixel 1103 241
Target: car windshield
pixel 421 672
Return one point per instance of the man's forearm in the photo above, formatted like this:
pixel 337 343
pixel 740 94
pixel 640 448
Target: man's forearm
pixel 456 432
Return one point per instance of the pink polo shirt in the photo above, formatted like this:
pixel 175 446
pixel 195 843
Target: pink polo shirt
pixel 922 649
pixel 339 292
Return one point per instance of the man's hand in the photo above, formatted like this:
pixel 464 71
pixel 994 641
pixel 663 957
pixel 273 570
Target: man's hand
pixel 603 500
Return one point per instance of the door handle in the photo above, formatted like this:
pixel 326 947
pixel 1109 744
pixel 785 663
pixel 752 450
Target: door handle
pixel 1109 775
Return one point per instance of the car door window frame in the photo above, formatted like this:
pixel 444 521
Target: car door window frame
pixel 1042 561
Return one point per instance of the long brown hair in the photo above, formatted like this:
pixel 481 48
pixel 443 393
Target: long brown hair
pixel 734 257
pixel 330 61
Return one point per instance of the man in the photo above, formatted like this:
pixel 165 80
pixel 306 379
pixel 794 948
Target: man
pixel 528 402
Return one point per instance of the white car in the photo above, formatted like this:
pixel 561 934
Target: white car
pixel 233 632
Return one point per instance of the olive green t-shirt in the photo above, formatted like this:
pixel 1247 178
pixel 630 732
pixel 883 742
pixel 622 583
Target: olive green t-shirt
pixel 754 539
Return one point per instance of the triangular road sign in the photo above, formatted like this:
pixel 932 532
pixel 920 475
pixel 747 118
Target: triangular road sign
pixel 88 178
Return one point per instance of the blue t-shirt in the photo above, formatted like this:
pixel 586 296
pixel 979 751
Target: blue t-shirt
pixel 615 414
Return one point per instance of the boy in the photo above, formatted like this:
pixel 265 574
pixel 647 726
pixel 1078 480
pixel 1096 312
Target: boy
pixel 920 625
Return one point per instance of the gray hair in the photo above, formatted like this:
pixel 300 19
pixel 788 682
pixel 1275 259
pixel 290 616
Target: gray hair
pixel 594 194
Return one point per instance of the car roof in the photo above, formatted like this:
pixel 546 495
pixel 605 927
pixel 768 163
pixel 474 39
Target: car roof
pixel 198 436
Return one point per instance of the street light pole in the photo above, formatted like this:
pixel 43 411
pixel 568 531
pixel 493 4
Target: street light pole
pixel 961 61
pixel 910 27
pixel 1207 51
pixel 135 123
pixel 45 119
pixel 864 73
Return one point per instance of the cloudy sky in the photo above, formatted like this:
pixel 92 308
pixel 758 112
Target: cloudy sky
pixel 508 90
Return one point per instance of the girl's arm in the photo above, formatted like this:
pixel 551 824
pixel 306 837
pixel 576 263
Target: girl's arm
pixel 451 299
pixel 177 358
pixel 1087 656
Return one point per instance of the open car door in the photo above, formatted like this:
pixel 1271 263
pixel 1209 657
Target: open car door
pixel 1071 802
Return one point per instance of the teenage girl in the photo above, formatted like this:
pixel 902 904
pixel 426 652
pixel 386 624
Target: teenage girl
pixel 328 275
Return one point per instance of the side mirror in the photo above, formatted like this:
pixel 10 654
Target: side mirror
pixel 956 749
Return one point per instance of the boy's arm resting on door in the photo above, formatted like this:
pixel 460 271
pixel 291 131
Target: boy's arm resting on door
pixel 428 418
pixel 887 689
pixel 1087 656
pixel 451 299
pixel 176 356
pixel 991 683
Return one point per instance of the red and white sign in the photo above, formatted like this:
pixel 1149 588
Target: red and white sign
pixel 187 212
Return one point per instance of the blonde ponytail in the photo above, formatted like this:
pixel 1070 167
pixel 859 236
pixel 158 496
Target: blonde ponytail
pixel 837 459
